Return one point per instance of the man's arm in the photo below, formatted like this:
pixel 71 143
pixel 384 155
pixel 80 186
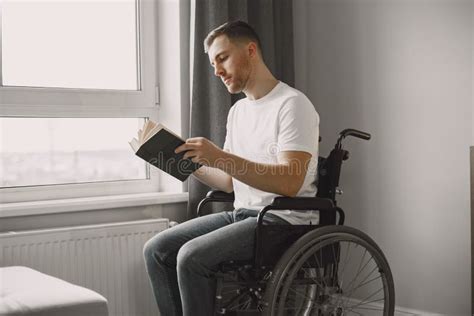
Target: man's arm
pixel 283 178
pixel 215 178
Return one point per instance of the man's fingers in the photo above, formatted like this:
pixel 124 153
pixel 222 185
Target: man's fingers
pixel 189 153
pixel 183 147
pixel 193 140
pixel 180 149
pixel 191 143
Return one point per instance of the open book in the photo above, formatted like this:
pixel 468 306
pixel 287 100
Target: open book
pixel 156 145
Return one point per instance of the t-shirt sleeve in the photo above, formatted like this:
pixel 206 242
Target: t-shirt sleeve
pixel 298 126
pixel 228 132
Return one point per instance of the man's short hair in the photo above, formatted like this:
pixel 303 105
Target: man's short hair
pixel 235 30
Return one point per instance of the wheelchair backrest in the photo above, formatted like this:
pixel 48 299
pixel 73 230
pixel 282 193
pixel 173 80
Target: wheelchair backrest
pixel 329 171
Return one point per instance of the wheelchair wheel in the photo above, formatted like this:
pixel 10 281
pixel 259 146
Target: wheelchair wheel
pixel 333 270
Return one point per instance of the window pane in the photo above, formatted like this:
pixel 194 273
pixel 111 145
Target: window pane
pixel 45 151
pixel 70 44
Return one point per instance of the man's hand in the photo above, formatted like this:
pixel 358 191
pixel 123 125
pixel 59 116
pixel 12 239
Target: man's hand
pixel 201 150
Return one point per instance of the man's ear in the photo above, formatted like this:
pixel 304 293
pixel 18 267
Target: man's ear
pixel 252 49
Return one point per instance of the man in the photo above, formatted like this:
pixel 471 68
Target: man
pixel 271 149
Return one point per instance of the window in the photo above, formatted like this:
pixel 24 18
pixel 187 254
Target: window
pixel 77 80
pixel 70 44
pixel 48 151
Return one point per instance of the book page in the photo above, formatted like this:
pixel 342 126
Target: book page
pixel 141 133
pixel 140 136
pixel 134 144
pixel 149 127
pixel 152 132
pixel 156 129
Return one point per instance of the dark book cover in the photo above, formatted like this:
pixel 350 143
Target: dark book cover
pixel 159 152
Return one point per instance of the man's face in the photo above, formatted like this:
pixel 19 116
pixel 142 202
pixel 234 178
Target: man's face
pixel 231 63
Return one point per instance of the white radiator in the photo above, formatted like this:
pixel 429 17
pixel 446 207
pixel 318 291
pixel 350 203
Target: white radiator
pixel 105 258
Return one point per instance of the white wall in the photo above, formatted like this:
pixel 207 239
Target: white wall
pixel 401 70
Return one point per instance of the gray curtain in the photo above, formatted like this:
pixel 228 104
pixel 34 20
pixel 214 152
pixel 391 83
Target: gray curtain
pixel 273 21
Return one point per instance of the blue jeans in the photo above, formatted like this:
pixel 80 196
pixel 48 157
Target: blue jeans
pixel 182 261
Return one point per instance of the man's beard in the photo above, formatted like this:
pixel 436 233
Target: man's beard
pixel 239 84
pixel 241 77
pixel 235 88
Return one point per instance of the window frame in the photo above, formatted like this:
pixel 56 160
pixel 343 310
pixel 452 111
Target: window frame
pixel 97 103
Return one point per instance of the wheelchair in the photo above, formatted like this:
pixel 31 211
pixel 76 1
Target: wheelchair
pixel 317 269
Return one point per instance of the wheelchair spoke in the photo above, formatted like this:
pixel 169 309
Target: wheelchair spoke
pixel 365 283
pixel 344 266
pixel 363 280
pixel 240 305
pixel 356 313
pixel 240 300
pixel 359 270
pixel 316 281
pixel 365 301
pixel 373 308
pixel 318 267
pixel 352 290
pixel 336 262
pixel 303 295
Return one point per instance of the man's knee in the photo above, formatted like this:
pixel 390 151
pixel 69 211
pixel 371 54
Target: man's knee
pixel 158 248
pixel 196 258
pixel 148 250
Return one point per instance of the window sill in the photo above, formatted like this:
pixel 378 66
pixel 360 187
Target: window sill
pixel 89 203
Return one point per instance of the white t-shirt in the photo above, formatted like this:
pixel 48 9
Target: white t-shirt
pixel 257 130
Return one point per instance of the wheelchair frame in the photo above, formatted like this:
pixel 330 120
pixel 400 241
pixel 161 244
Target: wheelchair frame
pixel 325 202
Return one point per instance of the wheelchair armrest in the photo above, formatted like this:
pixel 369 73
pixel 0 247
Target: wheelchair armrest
pixel 221 195
pixel 215 196
pixel 301 203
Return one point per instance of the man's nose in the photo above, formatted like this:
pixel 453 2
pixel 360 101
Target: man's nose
pixel 218 71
